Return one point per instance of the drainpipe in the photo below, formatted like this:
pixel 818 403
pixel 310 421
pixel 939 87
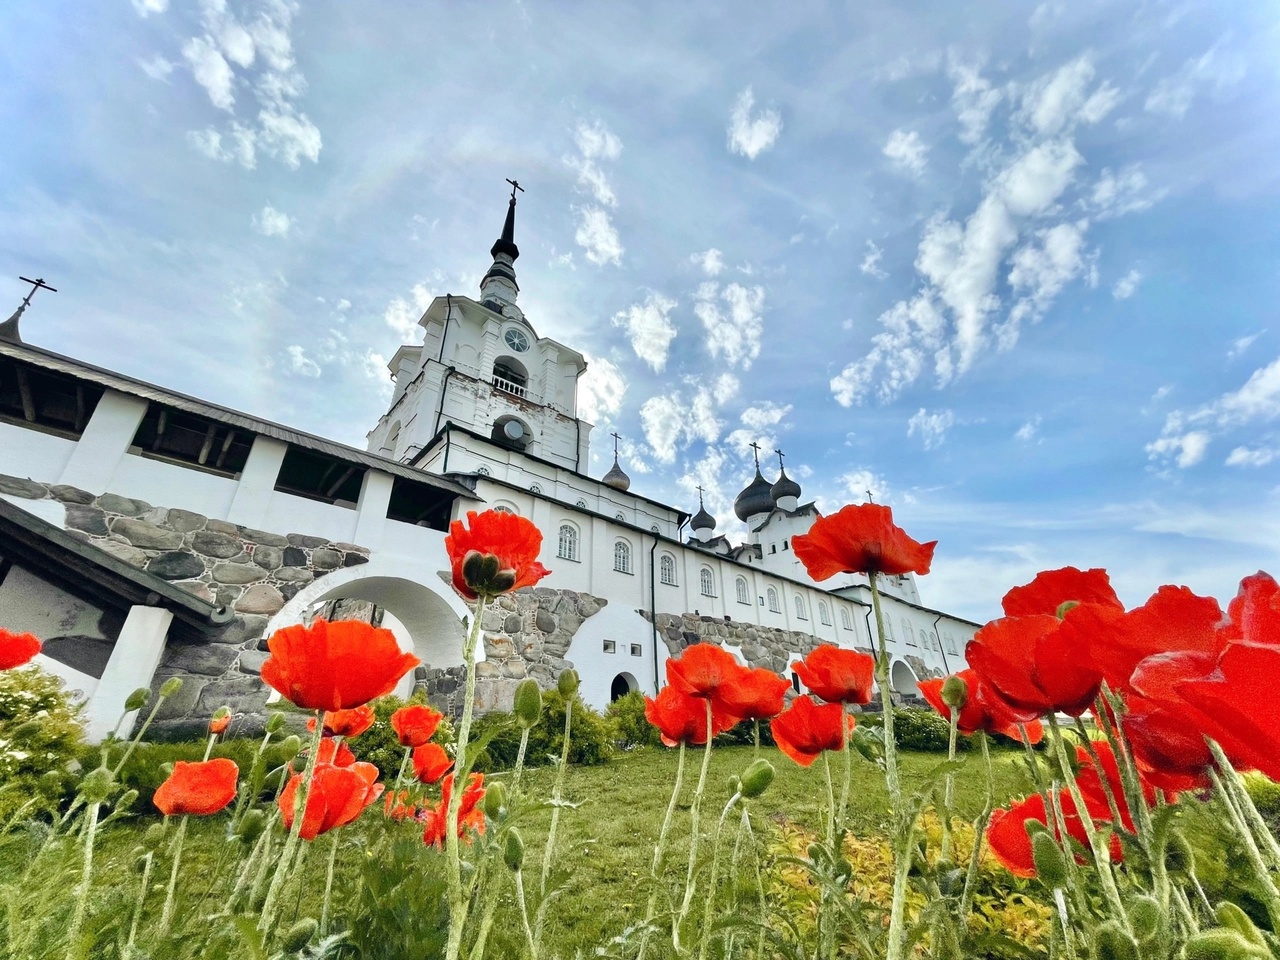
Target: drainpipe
pixel 653 614
pixel 448 314
pixel 444 382
pixel 577 423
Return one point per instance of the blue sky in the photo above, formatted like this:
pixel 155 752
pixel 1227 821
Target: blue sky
pixel 1011 267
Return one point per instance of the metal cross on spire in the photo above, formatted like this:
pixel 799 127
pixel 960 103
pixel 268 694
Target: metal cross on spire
pixel 755 447
pixel 699 496
pixel 779 453
pixel 515 185
pixel 616 438
pixel 35 285
pixel 9 329
pixel 870 499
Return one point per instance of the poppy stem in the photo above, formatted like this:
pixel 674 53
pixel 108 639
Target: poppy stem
pixel 659 849
pixel 300 799
pixel 137 907
pixel 328 886
pixel 831 800
pixel 1101 855
pixel 556 795
pixel 694 838
pixel 1232 780
pixel 1129 779
pixel 1271 894
pixel 166 914
pixel 462 769
pixel 886 700
pixel 847 749
pixel 519 767
pixel 86 875
pixel 1112 807
pixel 949 784
pixel 524 915
pixel 715 874
pixel 979 833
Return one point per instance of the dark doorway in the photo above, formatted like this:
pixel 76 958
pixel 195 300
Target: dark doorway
pixel 623 684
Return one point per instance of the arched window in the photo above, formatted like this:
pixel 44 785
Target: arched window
pixel 535 488
pixel 951 642
pixel 845 620
pixel 800 609
pixel 888 631
pixel 568 548
pixel 667 569
pixel 823 614
pixel 741 586
pixel 581 503
pixel 772 594
pixel 503 508
pixel 510 376
pixel 706 582
pixel 622 556
pixel 907 633
pixel 620 516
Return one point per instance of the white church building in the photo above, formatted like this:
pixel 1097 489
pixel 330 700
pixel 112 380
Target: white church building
pixel 145 533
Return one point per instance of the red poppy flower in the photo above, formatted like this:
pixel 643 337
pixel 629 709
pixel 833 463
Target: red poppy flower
pixel 837 675
pixel 346 723
pixel 1052 588
pixel 218 725
pixel 1011 843
pixel 430 762
pixel 399 806
pixel 981 710
pixel 1255 611
pixel 759 694
pixel 335 666
pixel 681 718
pixel 338 795
pixel 707 672
pixel 1174 619
pixel 1168 749
pixel 1038 664
pixel 1090 781
pixel 1238 706
pixel 336 752
pixel 469 814
pixel 17 648
pixel 804 730
pixel 415 724
pixel 860 538
pixel 197 788
pixel 497 554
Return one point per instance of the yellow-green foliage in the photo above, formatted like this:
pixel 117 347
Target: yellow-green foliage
pixel 1001 904
pixel 40 735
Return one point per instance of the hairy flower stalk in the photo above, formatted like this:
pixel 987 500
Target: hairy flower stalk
pixel 949 783
pixel 328 886
pixel 166 914
pixel 694 814
pixel 86 876
pixel 557 795
pixel 1231 780
pixel 458 900
pixel 979 830
pixel 1271 895
pixel 658 850
pixel 137 907
pixel 715 873
pixel 295 832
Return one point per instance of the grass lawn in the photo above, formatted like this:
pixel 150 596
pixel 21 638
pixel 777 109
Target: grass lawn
pixel 606 844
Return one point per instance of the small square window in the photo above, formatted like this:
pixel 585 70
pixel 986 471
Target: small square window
pixel 610 646
pixel 636 651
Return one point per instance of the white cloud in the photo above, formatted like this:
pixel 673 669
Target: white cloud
pixel 1188 449
pixel 734 334
pixel 598 237
pixel 402 316
pixel 871 262
pixel 343 305
pixel 748 135
pixel 906 150
pixel 157 68
pixel 1245 457
pixel 595 142
pixel 1032 184
pixel 1127 285
pixel 649 328
pixel 932 427
pixel 973 98
pixel 374 366
pixel 861 482
pixel 1040 271
pixel 1240 344
pixel 145 8
pixel 1057 102
pixel 764 415
pixel 711 261
pixel 289 136
pixel 1028 430
pixel 211 71
pixel 272 223
pixel 1258 399
pixel 662 419
pixel 298 362
pixel 913 331
pixel 1118 193
pixel 1215 70
pixel 600 390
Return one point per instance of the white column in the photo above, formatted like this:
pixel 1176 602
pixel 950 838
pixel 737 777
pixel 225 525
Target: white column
pixel 371 516
pixel 257 482
pixel 133 663
pixel 105 442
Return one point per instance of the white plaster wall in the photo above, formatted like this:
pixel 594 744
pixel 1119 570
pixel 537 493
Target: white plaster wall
pixel 33 454
pixel 76 681
pixel 596 669
pixel 169 485
pixel 314 518
pixel 411 542
pixel 50 511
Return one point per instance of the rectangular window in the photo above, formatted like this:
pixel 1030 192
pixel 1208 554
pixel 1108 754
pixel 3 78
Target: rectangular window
pixel 636 651
pixel 610 646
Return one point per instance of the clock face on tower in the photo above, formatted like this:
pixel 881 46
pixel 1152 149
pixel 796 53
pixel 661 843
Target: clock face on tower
pixel 516 340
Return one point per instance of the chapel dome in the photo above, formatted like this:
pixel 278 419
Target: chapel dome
pixel 616 478
pixel 755 499
pixel 785 487
pixel 702 520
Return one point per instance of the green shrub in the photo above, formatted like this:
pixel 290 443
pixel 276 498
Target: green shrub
pixel 590 739
pixel 923 730
pixel 40 737
pixel 630 728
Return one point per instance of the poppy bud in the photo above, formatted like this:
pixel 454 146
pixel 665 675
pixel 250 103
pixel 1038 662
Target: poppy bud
pixel 275 722
pixel 1051 865
pixel 96 785
pixel 137 700
pixel 299 935
pixel 495 798
pixel 1110 942
pixel 142 861
pixel 153 836
pixel 127 800
pixel 528 703
pixel 1231 916
pixel 171 686
pixel 166 769
pixel 513 853
pixel 251 825
pixel 955 693
pixel 483 573
pixel 291 746
pixel 735 784
pixel 1178 855
pixel 567 683
pixel 756 778
pixel 1144 916
pixel 1221 944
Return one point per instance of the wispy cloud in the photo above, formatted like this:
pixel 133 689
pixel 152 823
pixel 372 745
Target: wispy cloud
pixel 272 223
pixel 907 151
pixel 932 427
pixel 733 317
pixel 649 328
pixel 751 135
pixel 1127 285
pixel 1215 70
pixel 711 261
pixel 596 233
pixel 1186 436
pixel 871 262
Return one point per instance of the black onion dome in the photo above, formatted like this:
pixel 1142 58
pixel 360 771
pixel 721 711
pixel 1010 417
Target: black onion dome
pixel 702 520
pixel 785 487
pixel 756 498
pixel 616 478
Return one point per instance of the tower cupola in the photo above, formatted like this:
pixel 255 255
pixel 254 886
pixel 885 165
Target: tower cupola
pixel 498 288
pixel 756 498
pixel 786 492
pixel 703 524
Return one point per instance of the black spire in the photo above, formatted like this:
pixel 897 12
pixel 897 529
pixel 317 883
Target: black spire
pixel 507 242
